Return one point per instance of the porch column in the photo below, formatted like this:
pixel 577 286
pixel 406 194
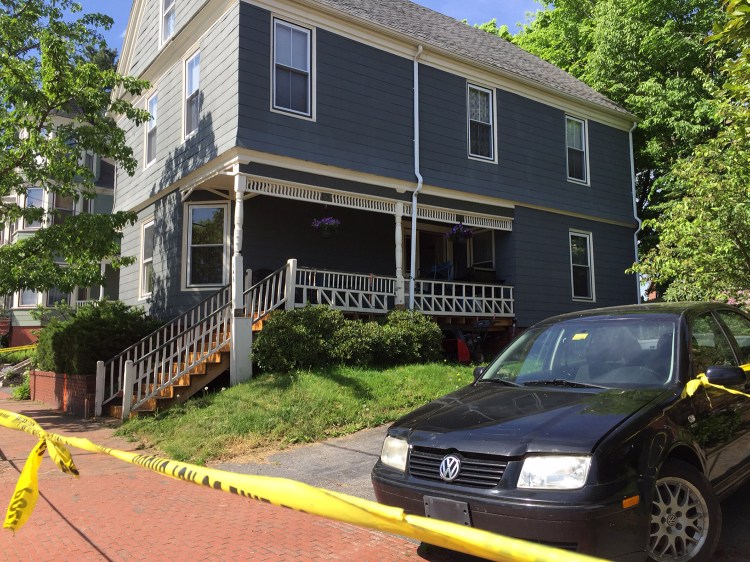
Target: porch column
pixel 240 365
pixel 399 240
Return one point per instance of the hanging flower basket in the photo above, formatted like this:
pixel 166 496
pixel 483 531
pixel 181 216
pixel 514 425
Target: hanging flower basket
pixel 459 233
pixel 326 226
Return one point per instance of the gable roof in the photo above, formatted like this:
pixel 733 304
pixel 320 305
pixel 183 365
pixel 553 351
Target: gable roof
pixel 448 34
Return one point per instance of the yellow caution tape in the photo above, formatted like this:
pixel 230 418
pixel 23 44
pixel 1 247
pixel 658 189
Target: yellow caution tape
pixel 280 492
pixel 702 381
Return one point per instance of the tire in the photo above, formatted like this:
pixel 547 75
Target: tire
pixel 685 516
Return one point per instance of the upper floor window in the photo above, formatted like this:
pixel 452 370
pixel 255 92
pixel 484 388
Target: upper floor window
pixel 480 123
pixel 192 94
pixel 167 19
pixel 35 199
pixel 151 130
pixel 65 206
pixel 147 259
pixel 207 247
pixel 575 139
pixel 292 77
pixel 582 266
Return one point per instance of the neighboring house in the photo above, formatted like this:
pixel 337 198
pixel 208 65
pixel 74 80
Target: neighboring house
pixel 21 304
pixel 395 120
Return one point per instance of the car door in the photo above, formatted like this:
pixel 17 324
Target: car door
pixel 721 417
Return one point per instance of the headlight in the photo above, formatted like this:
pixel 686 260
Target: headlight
pixel 554 472
pixel 394 453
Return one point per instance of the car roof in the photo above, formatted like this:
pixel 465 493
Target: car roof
pixel 664 308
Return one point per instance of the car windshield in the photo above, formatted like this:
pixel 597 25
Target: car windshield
pixel 635 351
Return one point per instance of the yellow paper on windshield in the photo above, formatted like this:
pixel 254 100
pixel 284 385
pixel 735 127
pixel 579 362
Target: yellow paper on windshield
pixel 581 336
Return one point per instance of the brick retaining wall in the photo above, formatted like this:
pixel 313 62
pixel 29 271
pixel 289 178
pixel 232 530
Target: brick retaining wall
pixel 73 394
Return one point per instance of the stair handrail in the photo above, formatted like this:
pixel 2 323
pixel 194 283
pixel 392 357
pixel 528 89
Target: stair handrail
pixel 163 366
pixel 109 382
pixel 277 286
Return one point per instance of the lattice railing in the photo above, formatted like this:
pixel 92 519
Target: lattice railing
pixel 350 292
pixel 455 298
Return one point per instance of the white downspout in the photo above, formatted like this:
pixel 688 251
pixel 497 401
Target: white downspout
pixel 635 209
pixel 413 264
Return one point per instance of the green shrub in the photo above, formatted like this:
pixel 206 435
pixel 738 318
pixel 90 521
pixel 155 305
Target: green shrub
pixel 318 337
pixel 97 332
pixel 23 390
pixel 298 339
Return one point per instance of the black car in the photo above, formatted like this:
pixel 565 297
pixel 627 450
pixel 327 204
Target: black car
pixel 580 435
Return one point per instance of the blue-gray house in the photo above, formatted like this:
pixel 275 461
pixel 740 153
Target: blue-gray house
pixel 461 176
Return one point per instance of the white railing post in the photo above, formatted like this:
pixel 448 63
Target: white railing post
pixel 127 389
pixel 399 241
pixel 291 283
pixel 99 396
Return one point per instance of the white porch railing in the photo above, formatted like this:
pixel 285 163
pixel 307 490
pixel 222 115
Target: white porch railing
pixel 456 298
pixel 351 292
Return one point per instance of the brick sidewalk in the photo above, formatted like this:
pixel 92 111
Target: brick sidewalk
pixel 117 511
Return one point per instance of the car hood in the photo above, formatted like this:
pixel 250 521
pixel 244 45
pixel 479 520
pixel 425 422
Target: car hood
pixel 510 421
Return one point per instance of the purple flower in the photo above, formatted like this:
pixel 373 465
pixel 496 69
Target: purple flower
pixel 326 224
pixel 459 231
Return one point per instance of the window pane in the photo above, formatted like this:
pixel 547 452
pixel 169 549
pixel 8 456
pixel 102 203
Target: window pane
pixel 283 88
pixel 481 244
pixel 152 109
pixel 35 199
pixel 579 250
pixel 581 282
pixel 147 283
pixel 148 242
pixel 576 164
pixel 708 345
pixel 207 226
pixel 574 134
pixel 481 139
pixel 192 115
pixel 298 92
pixel 55 295
pixel 299 50
pixel 206 266
pixel 283 45
pixel 193 72
pixel 740 328
pixel 479 106
pixel 27 298
pixel 64 208
pixel 151 148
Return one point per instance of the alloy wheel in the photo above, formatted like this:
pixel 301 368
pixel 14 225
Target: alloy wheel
pixel 679 520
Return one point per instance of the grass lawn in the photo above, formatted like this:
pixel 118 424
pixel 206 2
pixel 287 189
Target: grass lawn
pixel 274 411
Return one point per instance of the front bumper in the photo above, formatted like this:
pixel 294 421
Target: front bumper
pixel 605 530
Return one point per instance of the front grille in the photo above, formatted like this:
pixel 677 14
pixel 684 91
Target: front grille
pixel 477 470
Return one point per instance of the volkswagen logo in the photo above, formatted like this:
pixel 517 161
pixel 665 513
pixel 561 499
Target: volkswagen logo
pixel 449 468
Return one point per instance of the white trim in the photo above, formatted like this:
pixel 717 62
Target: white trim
pixel 186 235
pixel 493 123
pixel 585 129
pixel 589 237
pixel 309 31
pixel 149 221
pixel 187 60
pixel 27 306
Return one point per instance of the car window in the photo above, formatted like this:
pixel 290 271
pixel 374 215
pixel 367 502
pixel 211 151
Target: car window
pixel 708 345
pixel 635 351
pixel 739 327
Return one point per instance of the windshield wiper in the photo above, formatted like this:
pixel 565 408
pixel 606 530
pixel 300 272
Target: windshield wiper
pixel 500 381
pixel 562 382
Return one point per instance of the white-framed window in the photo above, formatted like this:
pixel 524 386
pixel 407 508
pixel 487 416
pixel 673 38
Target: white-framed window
pixel 147 259
pixel 152 106
pixel 64 206
pixel 482 250
pixel 577 154
pixel 34 198
pixel 28 298
pixel 55 296
pixel 192 94
pixel 292 68
pixel 207 244
pixel 167 19
pixel 480 122
pixel 582 265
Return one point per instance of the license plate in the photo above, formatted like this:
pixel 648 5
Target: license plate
pixel 447 510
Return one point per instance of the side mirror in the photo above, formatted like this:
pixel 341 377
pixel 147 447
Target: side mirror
pixel 478 372
pixel 726 375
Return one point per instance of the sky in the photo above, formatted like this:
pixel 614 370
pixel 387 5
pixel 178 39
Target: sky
pixel 508 12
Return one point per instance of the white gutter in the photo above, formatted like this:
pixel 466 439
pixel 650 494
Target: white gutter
pixel 635 208
pixel 413 264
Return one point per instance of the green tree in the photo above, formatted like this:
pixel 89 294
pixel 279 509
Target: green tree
pixel 704 232
pixel 650 57
pixel 56 102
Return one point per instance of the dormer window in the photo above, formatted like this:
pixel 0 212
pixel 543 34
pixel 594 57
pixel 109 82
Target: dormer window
pixel 167 20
